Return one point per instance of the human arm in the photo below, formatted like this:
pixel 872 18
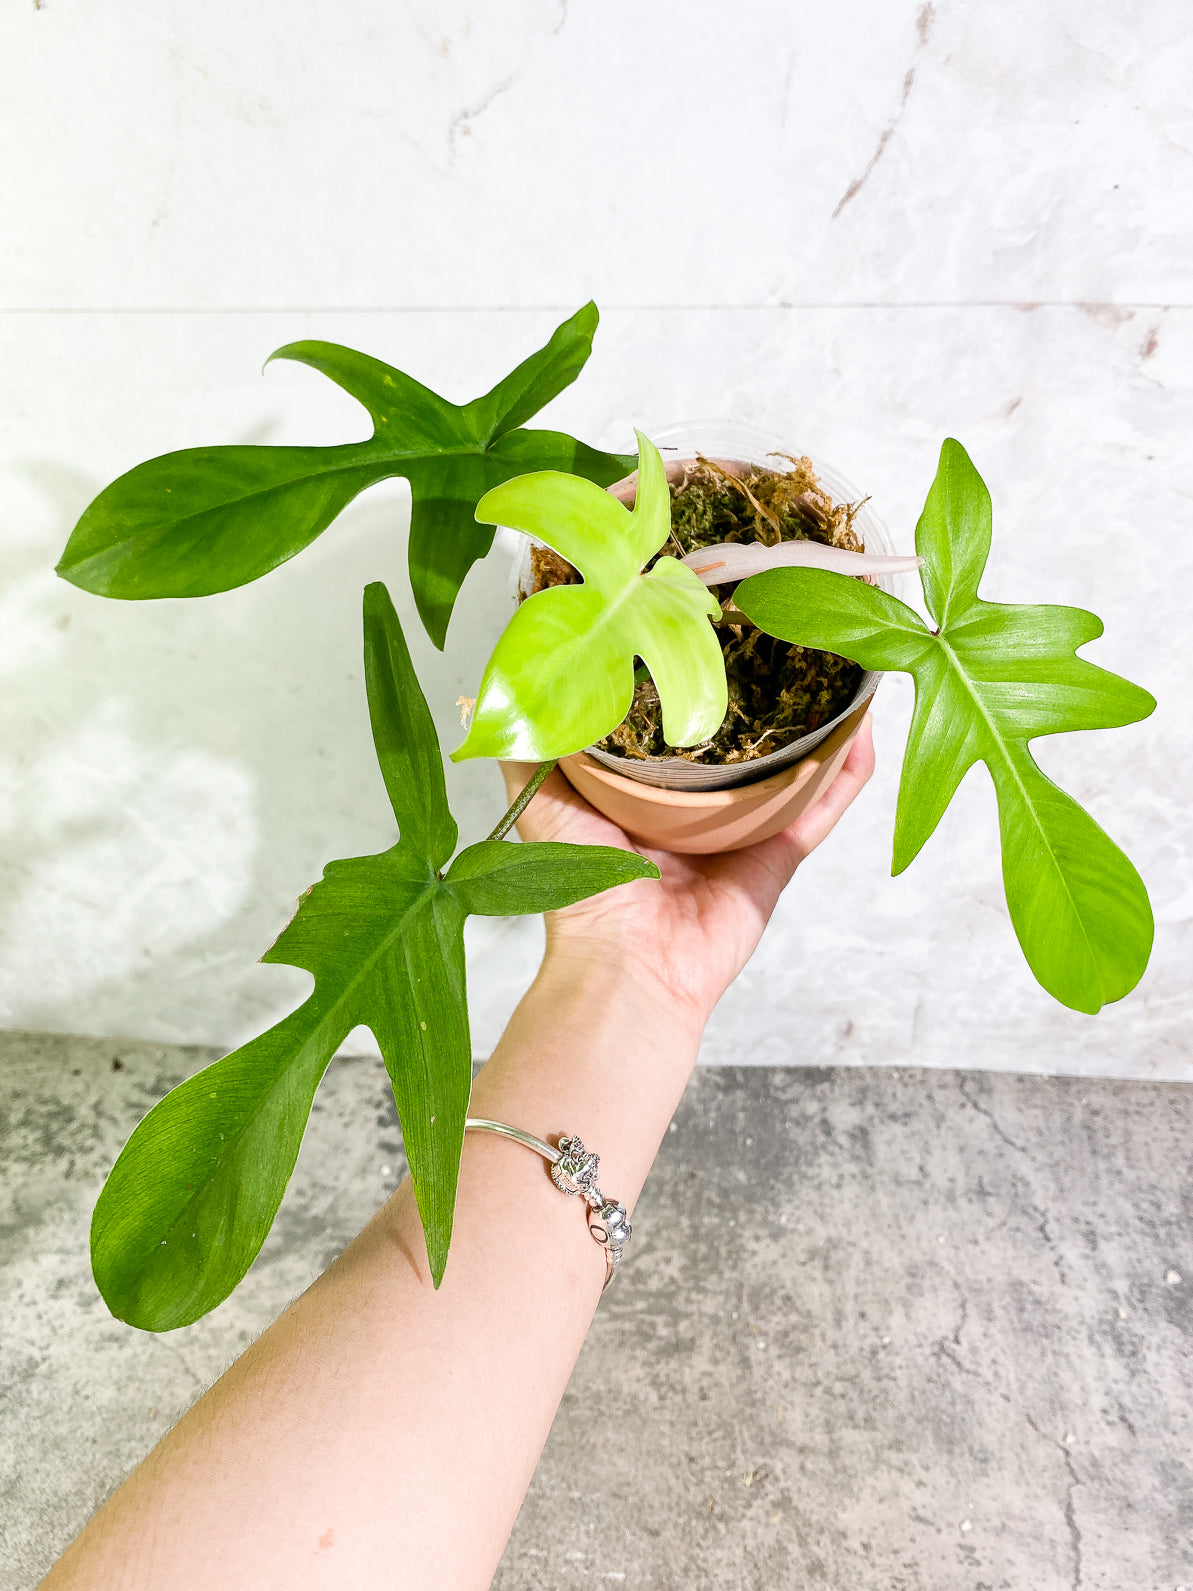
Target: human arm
pixel 380 1433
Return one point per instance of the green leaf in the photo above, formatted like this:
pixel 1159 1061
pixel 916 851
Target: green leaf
pixel 987 682
pixel 404 735
pixel 538 379
pixel 562 674
pixel 208 519
pixel 195 1190
pixel 496 879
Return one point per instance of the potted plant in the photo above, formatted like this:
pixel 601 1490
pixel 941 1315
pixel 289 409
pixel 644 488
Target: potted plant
pixel 738 505
pixel 194 1192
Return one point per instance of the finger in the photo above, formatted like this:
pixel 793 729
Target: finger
pixel 789 848
pixel 783 852
pixel 812 826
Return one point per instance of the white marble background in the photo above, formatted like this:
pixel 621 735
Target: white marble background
pixel 865 226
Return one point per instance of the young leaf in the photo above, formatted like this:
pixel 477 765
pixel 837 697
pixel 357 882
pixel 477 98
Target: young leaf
pixel 990 679
pixel 562 674
pixel 207 519
pixel 195 1190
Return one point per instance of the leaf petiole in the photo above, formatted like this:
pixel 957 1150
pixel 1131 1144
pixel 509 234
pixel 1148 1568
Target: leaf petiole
pixel 523 799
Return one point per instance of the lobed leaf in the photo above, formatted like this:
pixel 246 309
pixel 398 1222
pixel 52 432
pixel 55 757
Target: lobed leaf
pixel 208 519
pixel 562 674
pixel 195 1190
pixel 992 678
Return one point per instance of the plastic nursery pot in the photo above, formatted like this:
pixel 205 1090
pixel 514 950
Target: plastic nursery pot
pixel 699 809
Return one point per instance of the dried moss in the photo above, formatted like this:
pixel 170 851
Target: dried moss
pixel 777 693
pixel 710 504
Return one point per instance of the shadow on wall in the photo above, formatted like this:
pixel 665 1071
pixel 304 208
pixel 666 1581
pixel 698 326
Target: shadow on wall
pixel 178 772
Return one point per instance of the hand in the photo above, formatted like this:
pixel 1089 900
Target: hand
pixel 691 932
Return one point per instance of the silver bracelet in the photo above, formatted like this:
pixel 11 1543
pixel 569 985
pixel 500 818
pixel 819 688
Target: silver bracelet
pixel 574 1170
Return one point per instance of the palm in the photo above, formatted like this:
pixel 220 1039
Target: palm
pixel 696 927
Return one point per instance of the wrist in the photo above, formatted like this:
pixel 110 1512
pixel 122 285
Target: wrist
pixel 596 974
pixel 593 1050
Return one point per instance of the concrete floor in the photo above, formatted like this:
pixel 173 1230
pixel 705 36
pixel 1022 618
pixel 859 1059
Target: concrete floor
pixel 880 1330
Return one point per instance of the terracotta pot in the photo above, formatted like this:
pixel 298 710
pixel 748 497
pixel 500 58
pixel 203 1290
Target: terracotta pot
pixel 701 822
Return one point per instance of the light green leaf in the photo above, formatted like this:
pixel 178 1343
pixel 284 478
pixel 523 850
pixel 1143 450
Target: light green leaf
pixel 195 1190
pixel 991 679
pixel 562 674
pixel 207 519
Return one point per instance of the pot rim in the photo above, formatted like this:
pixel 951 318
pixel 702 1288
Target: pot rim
pixel 757 790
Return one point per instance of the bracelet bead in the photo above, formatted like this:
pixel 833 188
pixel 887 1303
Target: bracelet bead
pixel 574 1171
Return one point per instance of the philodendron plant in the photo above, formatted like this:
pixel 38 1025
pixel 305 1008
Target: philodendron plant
pixel 194 1192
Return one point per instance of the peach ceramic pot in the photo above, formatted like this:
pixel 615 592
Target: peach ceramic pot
pixel 701 822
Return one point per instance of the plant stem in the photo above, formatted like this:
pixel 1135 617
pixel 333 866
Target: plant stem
pixel 523 799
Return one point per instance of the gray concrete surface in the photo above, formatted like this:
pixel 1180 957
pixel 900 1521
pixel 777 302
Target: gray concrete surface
pixel 900 1330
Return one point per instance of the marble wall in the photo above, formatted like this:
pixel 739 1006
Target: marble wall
pixel 864 226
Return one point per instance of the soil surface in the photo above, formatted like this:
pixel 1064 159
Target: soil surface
pixel 777 692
